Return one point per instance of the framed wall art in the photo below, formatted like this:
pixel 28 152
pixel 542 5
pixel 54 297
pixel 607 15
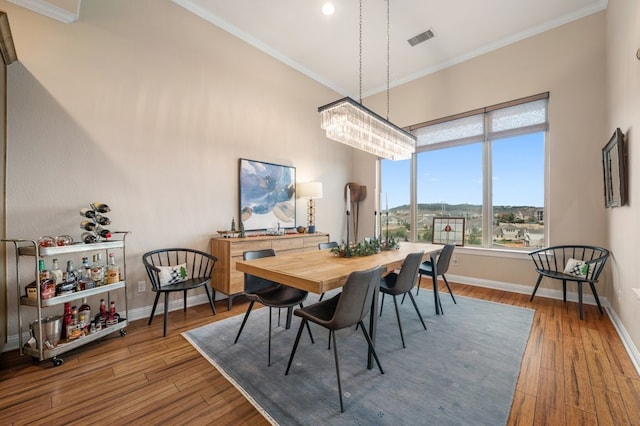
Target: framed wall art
pixel 267 195
pixel 448 230
pixel 614 165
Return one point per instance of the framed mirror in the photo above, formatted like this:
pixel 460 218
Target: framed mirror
pixel 614 163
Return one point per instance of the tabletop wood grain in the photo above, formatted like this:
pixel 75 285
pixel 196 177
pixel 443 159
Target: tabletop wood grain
pixel 320 271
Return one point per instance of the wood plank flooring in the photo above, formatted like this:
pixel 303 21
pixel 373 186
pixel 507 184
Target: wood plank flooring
pixel 573 373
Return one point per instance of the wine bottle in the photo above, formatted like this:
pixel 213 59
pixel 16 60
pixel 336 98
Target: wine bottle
pixel 88 226
pixel 89 238
pixel 103 220
pixel 104 233
pixel 88 213
pixel 100 207
pixel 113 270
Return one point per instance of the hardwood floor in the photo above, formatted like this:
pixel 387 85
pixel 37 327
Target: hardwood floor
pixel 573 373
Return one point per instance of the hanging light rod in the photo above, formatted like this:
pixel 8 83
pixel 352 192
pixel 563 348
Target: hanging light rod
pixel 353 124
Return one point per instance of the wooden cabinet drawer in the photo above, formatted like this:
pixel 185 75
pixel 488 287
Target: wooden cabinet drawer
pixel 240 247
pixel 287 244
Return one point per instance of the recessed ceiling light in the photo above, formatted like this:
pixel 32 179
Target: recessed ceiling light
pixel 328 8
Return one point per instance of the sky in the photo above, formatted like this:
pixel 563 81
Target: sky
pixel 454 175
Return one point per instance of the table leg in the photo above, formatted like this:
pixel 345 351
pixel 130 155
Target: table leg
pixel 436 296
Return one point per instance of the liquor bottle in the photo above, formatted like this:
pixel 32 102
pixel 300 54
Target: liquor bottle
pixel 71 276
pixel 114 317
pixel 73 323
pixel 97 269
pixel 47 284
pixel 84 315
pixel 113 270
pixel 100 207
pixel 86 269
pixel 88 226
pixel 43 273
pixel 66 320
pixel 102 316
pixel 56 272
pixel 88 213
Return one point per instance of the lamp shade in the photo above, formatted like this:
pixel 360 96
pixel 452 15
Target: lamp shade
pixel 309 190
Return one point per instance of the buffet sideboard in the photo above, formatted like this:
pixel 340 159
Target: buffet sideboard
pixel 227 280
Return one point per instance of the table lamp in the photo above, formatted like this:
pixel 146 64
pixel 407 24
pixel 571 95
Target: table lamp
pixel 311 191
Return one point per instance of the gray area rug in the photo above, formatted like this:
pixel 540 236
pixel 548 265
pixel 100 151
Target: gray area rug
pixel 461 371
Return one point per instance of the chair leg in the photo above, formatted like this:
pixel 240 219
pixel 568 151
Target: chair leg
pixel 419 281
pixel 564 291
pixel 580 298
pixel 211 298
pixel 329 344
pixel 417 310
pixel 295 345
pixel 381 304
pixel 395 303
pixel 166 313
pixel 449 288
pixel 184 299
pixel 536 287
pixel 153 310
pixel 244 320
pixel 335 356
pixel 309 329
pixel 321 296
pixel 269 350
pixel 595 295
pixel 371 348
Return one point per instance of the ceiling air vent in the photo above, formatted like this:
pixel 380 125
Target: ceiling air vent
pixel 421 37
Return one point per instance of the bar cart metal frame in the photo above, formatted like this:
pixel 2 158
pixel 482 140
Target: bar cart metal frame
pixel 30 248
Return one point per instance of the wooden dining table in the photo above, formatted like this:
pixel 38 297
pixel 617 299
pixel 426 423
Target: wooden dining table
pixel 320 271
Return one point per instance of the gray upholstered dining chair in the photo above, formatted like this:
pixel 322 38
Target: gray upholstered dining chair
pixel 270 294
pixel 441 260
pixel 395 284
pixel 326 246
pixel 343 310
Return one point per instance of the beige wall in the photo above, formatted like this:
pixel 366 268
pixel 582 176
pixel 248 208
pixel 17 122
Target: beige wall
pixel 568 62
pixel 146 107
pixel 149 111
pixel 623 111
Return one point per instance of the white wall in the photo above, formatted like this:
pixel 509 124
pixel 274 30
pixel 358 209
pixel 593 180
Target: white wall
pixel 146 107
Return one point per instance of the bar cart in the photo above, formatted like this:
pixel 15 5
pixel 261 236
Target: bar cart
pixel 30 302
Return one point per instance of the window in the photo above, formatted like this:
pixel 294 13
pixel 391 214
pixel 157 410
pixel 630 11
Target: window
pixel 486 166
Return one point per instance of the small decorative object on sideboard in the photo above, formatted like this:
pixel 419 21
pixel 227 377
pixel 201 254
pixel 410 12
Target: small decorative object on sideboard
pixel 94 226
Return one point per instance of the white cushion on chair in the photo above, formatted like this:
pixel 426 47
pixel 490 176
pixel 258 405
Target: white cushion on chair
pixel 577 267
pixel 173 274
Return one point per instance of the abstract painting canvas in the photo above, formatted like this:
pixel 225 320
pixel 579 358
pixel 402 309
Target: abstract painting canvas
pixel 267 195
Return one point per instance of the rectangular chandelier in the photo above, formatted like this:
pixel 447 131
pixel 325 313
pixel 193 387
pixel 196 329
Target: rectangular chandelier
pixel 352 124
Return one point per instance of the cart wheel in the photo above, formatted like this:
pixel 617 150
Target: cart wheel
pixel 57 361
pixel 123 332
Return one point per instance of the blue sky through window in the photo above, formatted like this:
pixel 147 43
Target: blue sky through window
pixel 454 175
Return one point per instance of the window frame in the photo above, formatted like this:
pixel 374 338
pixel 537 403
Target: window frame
pixel 486 139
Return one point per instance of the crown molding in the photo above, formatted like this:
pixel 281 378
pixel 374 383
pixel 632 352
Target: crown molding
pixel 47 9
